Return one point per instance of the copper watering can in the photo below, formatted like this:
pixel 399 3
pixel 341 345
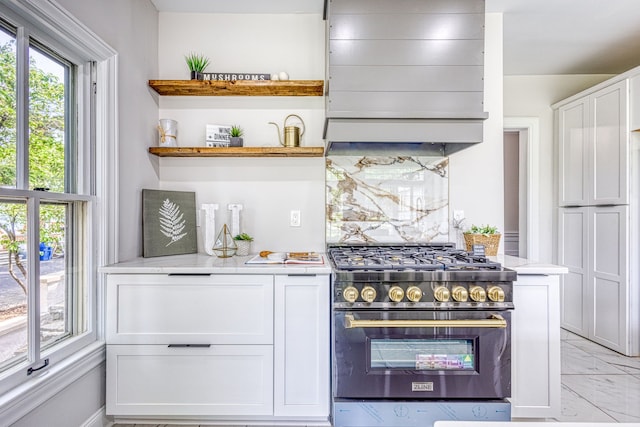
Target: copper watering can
pixel 292 134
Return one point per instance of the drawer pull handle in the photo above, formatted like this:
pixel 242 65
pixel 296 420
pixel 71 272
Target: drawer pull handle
pixel 189 345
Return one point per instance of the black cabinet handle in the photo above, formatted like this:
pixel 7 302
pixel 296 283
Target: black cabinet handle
pixel 32 370
pixel 189 345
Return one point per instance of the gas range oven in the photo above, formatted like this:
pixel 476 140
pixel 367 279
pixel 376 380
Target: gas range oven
pixel 421 332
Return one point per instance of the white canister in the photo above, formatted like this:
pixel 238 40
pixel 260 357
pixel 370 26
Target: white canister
pixel 168 133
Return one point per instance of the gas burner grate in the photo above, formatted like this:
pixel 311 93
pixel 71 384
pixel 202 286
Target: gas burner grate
pixel 409 257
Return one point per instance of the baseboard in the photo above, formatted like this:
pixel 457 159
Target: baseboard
pixel 99 419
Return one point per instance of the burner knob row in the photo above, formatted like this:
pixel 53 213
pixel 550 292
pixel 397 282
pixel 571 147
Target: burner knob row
pixel 440 293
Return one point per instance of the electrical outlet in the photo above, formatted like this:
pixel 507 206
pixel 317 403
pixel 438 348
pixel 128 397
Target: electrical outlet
pixel 295 219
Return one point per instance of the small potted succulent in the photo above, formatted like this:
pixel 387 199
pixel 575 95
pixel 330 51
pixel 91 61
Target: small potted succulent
pixel 485 235
pixel 243 242
pixel 196 63
pixel 236 136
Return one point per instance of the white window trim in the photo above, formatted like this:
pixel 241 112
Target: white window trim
pixel 52 19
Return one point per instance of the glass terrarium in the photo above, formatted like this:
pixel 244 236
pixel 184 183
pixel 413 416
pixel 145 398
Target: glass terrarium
pixel 225 246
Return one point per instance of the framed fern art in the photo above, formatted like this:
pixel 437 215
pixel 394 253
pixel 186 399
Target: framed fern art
pixel 168 223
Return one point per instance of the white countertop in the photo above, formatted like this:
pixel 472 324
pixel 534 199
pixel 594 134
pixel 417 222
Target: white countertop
pixel 527 266
pixel 205 264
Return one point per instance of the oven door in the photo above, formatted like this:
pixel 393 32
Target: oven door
pixel 422 354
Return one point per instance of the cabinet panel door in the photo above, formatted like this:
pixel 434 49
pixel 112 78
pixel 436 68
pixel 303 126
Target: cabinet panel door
pixel 302 347
pixel 573 254
pixel 163 309
pixel 608 281
pixel 536 347
pixel 573 145
pixel 610 149
pixel 162 381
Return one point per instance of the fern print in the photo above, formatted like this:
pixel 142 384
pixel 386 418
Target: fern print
pixel 171 220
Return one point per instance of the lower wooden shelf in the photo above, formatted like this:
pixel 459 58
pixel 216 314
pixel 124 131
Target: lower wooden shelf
pixel 237 151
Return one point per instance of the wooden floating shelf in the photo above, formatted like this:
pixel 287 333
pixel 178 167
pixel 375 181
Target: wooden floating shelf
pixel 238 87
pixel 237 151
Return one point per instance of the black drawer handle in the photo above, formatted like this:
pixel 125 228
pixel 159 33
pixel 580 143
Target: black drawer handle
pixel 189 345
pixel 32 370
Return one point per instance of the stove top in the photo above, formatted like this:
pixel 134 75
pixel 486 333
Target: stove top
pixel 417 276
pixel 407 257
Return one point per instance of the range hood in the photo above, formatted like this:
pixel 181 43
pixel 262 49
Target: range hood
pixel 404 76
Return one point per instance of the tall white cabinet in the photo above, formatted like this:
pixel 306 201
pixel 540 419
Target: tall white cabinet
pixel 598 219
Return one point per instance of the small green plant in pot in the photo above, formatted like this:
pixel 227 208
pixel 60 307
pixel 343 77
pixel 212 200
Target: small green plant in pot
pixel 485 235
pixel 197 64
pixel 236 136
pixel 243 242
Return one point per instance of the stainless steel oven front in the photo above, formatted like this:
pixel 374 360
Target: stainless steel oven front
pixel 422 354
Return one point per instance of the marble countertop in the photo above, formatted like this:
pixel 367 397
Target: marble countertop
pixel 527 266
pixel 205 264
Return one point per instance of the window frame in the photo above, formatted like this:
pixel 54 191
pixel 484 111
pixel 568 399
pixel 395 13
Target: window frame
pixel 51 25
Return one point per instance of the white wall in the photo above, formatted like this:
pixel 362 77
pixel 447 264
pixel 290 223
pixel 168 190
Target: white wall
pixel 268 188
pixel 476 178
pixel 532 96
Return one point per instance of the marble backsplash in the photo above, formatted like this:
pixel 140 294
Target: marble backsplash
pixel 390 199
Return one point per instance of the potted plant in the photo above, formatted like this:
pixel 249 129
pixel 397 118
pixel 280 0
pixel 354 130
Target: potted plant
pixel 243 242
pixel 485 235
pixel 236 136
pixel 196 63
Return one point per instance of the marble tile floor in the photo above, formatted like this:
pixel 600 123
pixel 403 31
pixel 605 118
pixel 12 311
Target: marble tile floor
pixel 598 384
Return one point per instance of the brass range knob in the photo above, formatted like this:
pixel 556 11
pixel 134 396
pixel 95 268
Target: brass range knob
pixel 496 294
pixel 477 294
pixel 459 293
pixel 350 294
pixel 368 294
pixel 414 293
pixel 441 293
pixel 396 294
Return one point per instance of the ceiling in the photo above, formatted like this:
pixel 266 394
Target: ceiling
pixel 540 36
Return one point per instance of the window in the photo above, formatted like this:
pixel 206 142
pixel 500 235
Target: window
pixel 47 190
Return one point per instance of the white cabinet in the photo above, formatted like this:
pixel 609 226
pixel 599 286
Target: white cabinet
pixel 302 350
pixel 189 309
pixel 535 345
pixel 236 347
pixel 183 380
pixel 594 148
pixel 593 244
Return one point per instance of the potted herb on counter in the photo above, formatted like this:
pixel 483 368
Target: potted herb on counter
pixel 485 235
pixel 243 242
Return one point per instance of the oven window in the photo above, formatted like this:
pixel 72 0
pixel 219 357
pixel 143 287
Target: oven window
pixel 423 354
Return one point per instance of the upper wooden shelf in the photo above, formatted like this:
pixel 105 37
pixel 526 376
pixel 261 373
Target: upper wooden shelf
pixel 238 87
pixel 237 151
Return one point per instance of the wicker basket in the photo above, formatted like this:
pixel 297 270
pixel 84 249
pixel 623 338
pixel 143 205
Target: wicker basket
pixel 489 241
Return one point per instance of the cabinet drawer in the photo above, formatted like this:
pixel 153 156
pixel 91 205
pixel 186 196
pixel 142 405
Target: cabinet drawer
pixel 171 381
pixel 163 309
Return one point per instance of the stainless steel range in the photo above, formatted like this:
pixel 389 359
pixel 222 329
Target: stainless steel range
pixel 420 333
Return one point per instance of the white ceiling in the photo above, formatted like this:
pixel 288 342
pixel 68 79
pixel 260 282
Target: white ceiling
pixel 540 36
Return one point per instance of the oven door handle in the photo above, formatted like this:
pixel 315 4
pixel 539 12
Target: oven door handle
pixel 496 321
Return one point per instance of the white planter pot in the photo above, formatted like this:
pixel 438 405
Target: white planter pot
pixel 244 246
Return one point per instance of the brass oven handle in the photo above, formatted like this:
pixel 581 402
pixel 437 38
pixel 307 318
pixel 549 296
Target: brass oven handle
pixel 496 321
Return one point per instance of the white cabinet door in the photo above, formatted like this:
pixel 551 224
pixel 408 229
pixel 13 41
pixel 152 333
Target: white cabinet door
pixel 608 281
pixel 573 121
pixel 594 148
pixel 155 380
pixel 573 253
pixel 535 347
pixel 609 151
pixel 189 309
pixel 301 347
